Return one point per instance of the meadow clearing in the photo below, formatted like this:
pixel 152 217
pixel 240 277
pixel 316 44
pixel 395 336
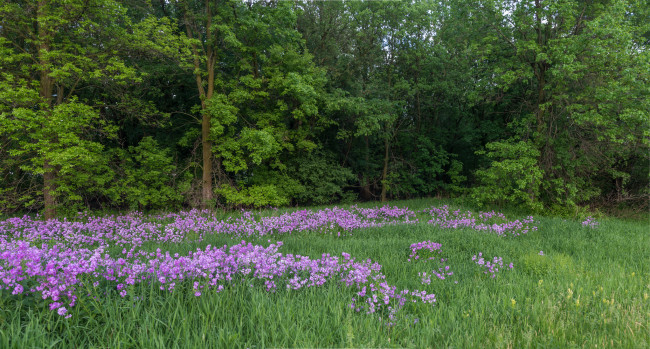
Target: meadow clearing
pixel 410 274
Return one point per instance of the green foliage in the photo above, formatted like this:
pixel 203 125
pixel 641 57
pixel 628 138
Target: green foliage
pixel 319 101
pixel 512 178
pixel 254 196
pixel 222 113
pixel 311 178
pixel 429 162
pixel 323 180
pixel 288 187
pixel 18 189
pixel 49 51
pixel 81 163
pixel 430 171
pixel 149 179
pixel 579 71
pixel 455 177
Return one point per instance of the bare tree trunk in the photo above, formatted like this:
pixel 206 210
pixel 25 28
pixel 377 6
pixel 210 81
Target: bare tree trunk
pixel 417 97
pixel 45 93
pixel 384 173
pixel 366 193
pixel 206 181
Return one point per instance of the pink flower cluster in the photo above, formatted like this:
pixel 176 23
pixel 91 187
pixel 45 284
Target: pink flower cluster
pixel 57 258
pixel 425 250
pixel 62 259
pixel 490 222
pixel 134 229
pixel 383 298
pixel 590 222
pixel 428 251
pixel 59 274
pixel 491 267
pixel 442 273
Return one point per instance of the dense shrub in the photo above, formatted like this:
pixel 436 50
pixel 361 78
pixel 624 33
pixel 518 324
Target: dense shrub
pixel 513 176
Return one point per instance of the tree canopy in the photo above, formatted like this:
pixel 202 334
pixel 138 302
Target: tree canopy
pixel 134 104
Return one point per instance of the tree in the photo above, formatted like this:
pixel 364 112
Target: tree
pixel 256 85
pixel 584 87
pixel 205 40
pixel 49 49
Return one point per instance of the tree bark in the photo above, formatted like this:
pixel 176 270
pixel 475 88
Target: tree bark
pixel 206 142
pixel 45 93
pixel 206 181
pixel 366 192
pixel 417 95
pixel 384 173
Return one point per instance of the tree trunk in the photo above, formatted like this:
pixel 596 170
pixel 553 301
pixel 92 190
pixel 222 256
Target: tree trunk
pixel 366 193
pixel 206 182
pixel 45 94
pixel 206 142
pixel 417 96
pixel 384 173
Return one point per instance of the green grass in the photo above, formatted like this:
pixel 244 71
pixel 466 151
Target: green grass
pixel 590 290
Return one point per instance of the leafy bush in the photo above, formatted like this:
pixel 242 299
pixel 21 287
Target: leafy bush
pixel 513 178
pixel 431 170
pixel 18 190
pixel 321 177
pixel 313 178
pixel 455 177
pixel 253 196
pixel 148 179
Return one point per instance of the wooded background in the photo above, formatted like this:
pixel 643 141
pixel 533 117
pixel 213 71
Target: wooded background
pixel 134 104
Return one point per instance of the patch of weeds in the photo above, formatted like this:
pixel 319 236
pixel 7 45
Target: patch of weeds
pixel 539 264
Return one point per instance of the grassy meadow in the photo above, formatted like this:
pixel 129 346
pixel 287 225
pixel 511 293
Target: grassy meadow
pixel 571 285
